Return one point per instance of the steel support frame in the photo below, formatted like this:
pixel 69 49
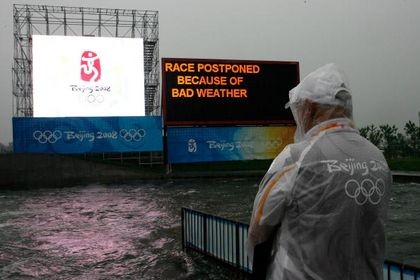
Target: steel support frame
pixel 82 21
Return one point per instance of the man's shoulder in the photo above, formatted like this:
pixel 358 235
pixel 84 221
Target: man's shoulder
pixel 295 150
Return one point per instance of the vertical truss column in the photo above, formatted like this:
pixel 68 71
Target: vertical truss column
pixel 22 62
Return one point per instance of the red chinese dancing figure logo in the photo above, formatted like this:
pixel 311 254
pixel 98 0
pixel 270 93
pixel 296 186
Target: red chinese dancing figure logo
pixel 90 67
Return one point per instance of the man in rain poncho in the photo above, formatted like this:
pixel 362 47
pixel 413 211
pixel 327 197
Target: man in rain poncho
pixel 323 201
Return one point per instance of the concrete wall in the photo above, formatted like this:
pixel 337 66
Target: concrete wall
pixel 38 170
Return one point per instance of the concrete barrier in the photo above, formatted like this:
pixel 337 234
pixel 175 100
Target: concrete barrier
pixel 42 170
pixel 53 170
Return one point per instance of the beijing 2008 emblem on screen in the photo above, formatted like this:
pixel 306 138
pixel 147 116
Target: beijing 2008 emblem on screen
pixel 90 67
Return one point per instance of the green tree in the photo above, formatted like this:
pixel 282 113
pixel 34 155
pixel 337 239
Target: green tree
pixel 413 136
pixel 389 139
pixel 373 134
pixel 393 143
pixel 364 131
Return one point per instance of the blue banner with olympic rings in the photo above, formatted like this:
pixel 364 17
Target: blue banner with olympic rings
pixel 75 135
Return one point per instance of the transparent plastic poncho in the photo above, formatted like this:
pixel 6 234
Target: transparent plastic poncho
pixel 323 201
pixel 320 95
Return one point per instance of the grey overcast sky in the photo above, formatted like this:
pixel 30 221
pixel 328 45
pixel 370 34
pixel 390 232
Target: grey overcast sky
pixel 376 42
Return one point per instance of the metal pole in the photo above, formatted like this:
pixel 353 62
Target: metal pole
pixel 182 228
pixel 205 233
pixel 238 263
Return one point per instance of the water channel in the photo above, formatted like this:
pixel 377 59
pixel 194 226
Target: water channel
pixel 133 231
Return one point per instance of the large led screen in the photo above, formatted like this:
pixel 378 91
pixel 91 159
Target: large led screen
pixel 87 76
pixel 211 92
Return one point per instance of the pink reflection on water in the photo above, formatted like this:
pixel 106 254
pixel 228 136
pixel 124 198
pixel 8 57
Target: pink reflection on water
pixel 92 225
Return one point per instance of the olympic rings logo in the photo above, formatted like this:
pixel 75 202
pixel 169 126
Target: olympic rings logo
pixel 47 136
pixel 95 98
pixel 366 191
pixel 132 134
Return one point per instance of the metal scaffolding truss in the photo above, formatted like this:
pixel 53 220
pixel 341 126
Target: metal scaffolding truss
pixel 82 21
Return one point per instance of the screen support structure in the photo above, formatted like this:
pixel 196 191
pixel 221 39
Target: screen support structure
pixel 82 21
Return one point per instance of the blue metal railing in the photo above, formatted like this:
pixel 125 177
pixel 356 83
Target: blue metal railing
pixel 216 237
pixel 225 240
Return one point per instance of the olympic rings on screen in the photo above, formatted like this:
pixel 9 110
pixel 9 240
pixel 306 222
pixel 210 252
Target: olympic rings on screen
pixel 47 136
pixel 91 98
pixel 366 191
pixel 132 134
